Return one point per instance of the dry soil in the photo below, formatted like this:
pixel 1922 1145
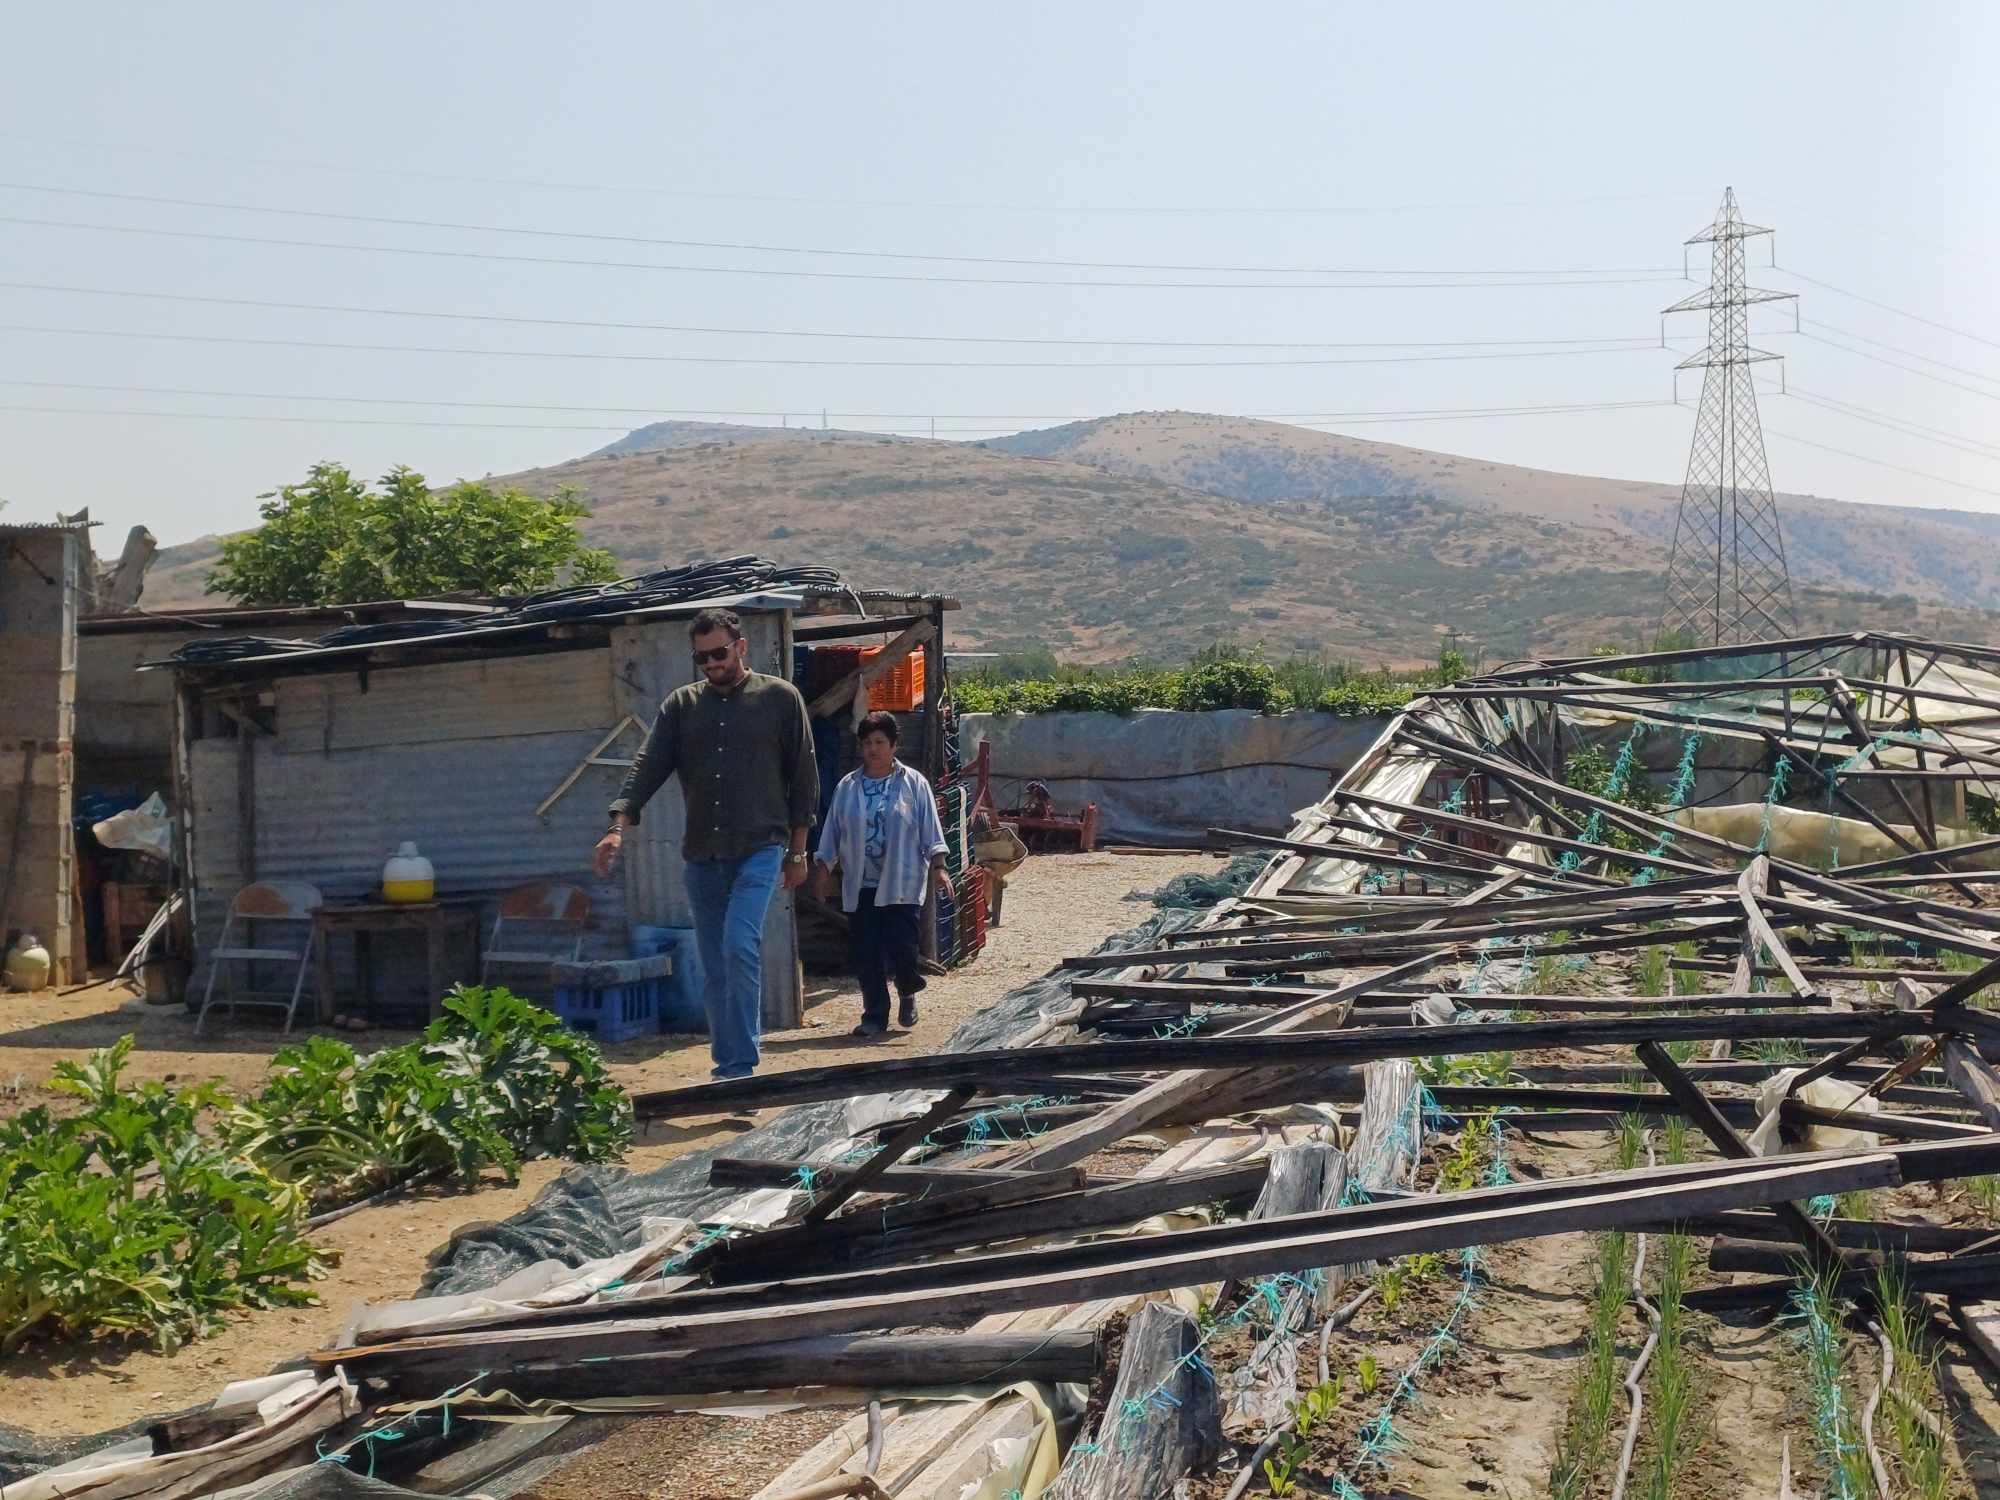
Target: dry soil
pixel 1056 905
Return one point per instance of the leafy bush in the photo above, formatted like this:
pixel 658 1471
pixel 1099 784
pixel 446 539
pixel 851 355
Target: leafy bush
pixel 494 1082
pixel 1226 675
pixel 93 1240
pixel 89 1241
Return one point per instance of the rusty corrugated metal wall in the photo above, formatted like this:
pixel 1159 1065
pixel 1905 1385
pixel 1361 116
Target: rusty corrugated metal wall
pixel 456 756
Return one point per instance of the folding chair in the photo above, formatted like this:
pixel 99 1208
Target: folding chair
pixel 270 902
pixel 538 925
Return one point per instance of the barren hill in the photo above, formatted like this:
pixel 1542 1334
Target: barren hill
pixel 1103 558
pixel 1942 555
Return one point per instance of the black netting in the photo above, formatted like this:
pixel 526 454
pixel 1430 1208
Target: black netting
pixel 1198 892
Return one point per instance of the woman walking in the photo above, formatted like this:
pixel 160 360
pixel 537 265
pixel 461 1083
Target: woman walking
pixel 882 833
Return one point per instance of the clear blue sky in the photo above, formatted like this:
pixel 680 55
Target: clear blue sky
pixel 1464 139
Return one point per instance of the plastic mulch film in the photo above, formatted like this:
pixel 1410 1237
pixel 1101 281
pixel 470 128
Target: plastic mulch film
pixel 592 1212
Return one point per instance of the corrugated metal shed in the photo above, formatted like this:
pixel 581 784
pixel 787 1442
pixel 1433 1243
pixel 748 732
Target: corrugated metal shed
pixel 456 754
pixel 453 755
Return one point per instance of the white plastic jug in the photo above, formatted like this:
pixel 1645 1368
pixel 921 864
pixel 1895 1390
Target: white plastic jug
pixel 27 964
pixel 408 876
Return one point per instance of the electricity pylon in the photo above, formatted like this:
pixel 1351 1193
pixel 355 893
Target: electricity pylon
pixel 1726 580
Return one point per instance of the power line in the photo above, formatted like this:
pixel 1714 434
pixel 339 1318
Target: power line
pixel 814 275
pixel 1886 307
pixel 347 310
pixel 1304 419
pixel 1957 385
pixel 629 189
pixel 1882 463
pixel 745 359
pixel 1929 359
pixel 765 249
pixel 1938 435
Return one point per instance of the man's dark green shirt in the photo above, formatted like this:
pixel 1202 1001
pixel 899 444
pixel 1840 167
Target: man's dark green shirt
pixel 745 759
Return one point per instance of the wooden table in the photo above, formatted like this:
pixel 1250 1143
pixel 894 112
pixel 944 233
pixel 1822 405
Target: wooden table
pixel 436 921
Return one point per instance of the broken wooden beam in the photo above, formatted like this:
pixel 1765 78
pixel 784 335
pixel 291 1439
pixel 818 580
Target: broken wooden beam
pixel 994 1068
pixel 1820 1250
pixel 963 1289
pixel 849 1361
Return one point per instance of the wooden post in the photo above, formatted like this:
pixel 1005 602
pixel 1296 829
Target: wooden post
pixel 1820 1249
pixel 893 1149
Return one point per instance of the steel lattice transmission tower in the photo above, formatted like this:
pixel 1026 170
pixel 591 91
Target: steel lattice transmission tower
pixel 1726 580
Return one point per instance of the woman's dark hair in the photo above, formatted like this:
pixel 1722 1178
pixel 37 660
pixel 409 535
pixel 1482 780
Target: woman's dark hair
pixel 878 723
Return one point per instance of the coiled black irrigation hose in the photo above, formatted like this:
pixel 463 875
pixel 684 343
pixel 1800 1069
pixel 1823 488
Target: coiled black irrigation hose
pixel 683 585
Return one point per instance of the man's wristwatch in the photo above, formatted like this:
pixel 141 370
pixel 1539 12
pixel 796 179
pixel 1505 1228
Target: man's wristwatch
pixel 795 857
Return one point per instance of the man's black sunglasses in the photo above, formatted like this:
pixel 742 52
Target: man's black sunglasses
pixel 714 653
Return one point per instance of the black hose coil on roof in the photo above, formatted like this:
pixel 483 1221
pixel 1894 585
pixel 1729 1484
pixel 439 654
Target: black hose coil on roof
pixel 688 584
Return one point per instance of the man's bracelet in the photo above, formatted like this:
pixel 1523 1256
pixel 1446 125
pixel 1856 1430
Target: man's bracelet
pixel 614 829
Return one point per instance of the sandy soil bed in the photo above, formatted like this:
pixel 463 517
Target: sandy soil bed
pixel 1058 905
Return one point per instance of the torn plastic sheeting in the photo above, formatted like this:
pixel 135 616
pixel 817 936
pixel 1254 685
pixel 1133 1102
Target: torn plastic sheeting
pixel 301 1407
pixel 1005 1443
pixel 1824 840
pixel 1822 1093
pixel 595 1213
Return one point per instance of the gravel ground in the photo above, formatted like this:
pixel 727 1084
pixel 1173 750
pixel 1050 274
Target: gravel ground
pixel 1056 905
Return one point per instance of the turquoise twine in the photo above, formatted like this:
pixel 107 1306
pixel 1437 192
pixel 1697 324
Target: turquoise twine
pixel 1779 773
pixel 710 1234
pixel 1262 1293
pixel 1684 778
pixel 1832 818
pixel 389 1433
pixel 1829 1404
pixel 1379 1439
pixel 1592 831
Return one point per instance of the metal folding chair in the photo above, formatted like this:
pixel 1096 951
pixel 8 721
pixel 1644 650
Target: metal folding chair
pixel 268 902
pixel 538 925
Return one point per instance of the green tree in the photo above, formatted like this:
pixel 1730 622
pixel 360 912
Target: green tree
pixel 333 540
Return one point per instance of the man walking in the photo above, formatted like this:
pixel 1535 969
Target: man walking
pixel 742 745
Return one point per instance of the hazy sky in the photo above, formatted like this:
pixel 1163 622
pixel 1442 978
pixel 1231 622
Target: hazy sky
pixel 1411 157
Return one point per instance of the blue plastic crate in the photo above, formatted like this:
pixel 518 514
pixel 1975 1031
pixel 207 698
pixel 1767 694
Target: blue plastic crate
pixel 613 1001
pixel 681 1008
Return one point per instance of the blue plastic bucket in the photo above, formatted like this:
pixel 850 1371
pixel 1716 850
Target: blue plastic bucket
pixel 680 1004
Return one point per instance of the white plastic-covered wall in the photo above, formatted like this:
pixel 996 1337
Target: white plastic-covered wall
pixel 1163 778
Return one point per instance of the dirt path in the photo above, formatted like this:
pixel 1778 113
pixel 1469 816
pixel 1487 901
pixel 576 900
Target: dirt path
pixel 1055 907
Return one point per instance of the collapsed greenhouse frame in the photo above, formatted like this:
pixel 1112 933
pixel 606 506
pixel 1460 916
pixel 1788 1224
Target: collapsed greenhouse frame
pixel 907 1240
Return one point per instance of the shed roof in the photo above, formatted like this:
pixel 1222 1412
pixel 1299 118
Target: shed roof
pixel 476 636
pixel 241 616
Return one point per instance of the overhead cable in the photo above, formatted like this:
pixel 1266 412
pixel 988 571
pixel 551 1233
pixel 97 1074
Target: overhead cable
pixel 1900 312
pixel 348 310
pixel 1882 463
pixel 746 359
pixel 460 226
pixel 430 252
pixel 1348 207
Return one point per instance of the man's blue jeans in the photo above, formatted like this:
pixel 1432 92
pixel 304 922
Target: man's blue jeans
pixel 730 898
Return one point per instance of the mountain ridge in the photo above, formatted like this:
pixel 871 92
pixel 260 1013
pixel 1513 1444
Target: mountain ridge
pixel 1118 537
